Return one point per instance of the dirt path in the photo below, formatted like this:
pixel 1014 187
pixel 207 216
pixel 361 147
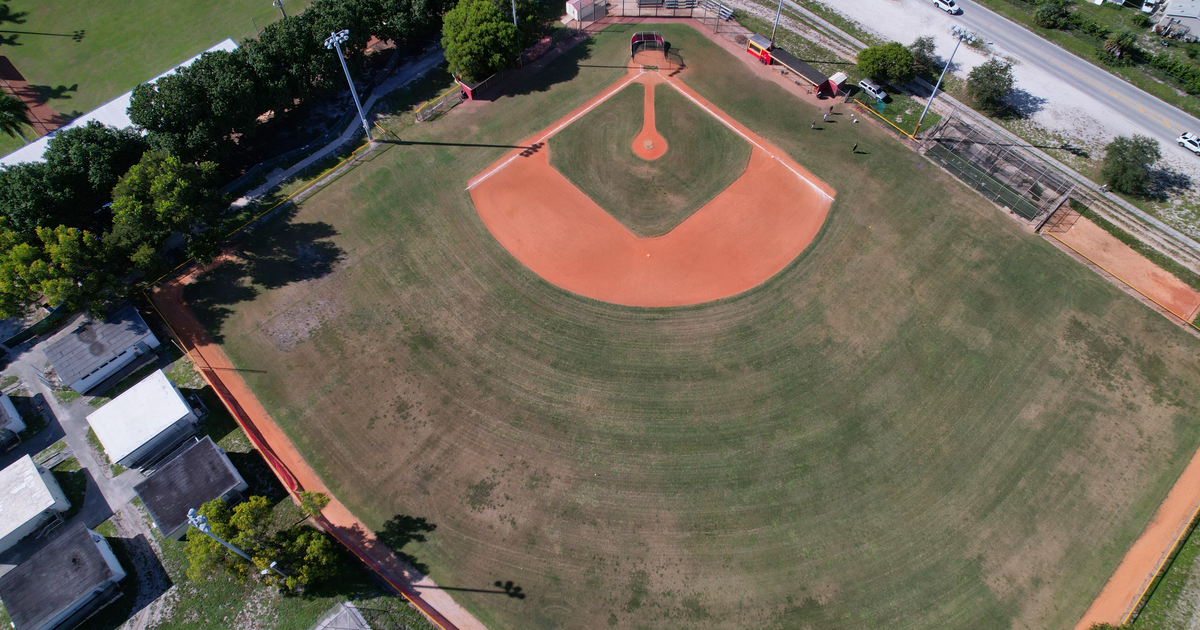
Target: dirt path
pixel 288 464
pixel 648 144
pixel 1119 259
pixel 745 235
pixel 42 117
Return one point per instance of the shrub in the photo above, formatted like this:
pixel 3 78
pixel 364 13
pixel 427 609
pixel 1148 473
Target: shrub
pixel 1052 15
pixel 889 62
pixel 989 83
pixel 1141 21
pixel 1127 164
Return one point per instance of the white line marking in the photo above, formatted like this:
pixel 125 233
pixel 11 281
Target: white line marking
pixel 557 129
pixel 749 139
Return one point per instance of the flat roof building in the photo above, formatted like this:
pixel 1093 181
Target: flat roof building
pixel 1185 13
pixel 63 583
pixel 92 350
pixel 200 473
pixel 144 422
pixel 29 496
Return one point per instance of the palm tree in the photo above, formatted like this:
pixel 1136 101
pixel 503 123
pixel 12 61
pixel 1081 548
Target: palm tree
pixel 13 114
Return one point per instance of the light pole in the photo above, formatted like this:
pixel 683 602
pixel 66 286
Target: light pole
pixel 200 522
pixel 959 35
pixel 335 42
pixel 773 28
pixel 279 3
pixel 514 3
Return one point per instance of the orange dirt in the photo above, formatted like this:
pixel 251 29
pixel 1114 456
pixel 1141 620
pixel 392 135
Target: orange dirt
pixel 42 117
pixel 1132 268
pixel 745 235
pixel 287 463
pixel 648 145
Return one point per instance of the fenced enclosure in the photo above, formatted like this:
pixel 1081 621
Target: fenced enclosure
pixel 1000 170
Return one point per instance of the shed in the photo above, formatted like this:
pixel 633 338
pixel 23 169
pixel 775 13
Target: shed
pixel 10 418
pixel 145 422
pixel 88 353
pixel 29 496
pixel 63 583
pixel 200 473
pixel 586 10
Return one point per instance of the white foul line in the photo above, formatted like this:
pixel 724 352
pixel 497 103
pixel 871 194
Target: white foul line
pixel 749 139
pixel 558 128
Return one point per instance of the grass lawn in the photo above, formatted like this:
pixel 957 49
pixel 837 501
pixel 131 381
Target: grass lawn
pixel 1175 602
pixel 931 419
pixel 649 198
pixel 119 44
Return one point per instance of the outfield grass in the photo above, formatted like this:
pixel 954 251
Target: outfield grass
pixel 932 419
pixel 649 198
pixel 122 44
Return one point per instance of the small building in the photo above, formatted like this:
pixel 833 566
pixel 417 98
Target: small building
pixel 586 10
pixel 91 351
pixel 1179 18
pixel 62 584
pixel 144 423
pixel 29 496
pixel 344 616
pixel 200 473
pixel 11 423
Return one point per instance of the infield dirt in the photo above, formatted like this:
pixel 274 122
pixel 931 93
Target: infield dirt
pixel 929 419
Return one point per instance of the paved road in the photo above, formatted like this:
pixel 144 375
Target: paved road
pixel 1157 118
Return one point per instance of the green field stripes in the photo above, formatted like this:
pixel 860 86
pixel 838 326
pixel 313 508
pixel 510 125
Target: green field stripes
pixel 983 182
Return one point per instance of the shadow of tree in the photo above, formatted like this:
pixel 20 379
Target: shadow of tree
pixel 46 92
pixel 279 253
pixel 8 16
pixel 540 79
pixel 1167 181
pixel 402 529
pixel 1022 104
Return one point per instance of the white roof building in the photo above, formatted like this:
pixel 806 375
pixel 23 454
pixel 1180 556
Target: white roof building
pixel 113 113
pixel 148 419
pixel 28 497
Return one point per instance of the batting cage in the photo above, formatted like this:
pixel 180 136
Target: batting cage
pixel 646 40
pixel 999 169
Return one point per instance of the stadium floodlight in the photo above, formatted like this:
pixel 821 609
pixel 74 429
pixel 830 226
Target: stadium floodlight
pixel 959 35
pixel 200 522
pixel 335 42
pixel 774 28
pixel 279 3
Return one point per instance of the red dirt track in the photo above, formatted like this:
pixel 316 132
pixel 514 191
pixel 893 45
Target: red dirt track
pixel 746 234
pixel 287 463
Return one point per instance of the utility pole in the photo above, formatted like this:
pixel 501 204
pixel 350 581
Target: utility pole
pixel 200 522
pixel 773 28
pixel 335 42
pixel 279 3
pixel 959 35
pixel 514 5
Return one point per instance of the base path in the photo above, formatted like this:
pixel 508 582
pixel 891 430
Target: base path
pixel 286 462
pixel 1103 249
pixel 746 234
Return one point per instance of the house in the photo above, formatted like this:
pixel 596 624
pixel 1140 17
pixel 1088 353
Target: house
pixel 63 583
pixel 29 496
pixel 144 423
pixel 200 473
pixel 89 352
pixel 1181 17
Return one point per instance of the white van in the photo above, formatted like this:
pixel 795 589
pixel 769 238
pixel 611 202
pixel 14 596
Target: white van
pixel 872 88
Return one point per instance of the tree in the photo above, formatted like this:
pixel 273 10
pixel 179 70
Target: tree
pixel 1052 14
pixel 13 115
pixel 204 554
pixel 479 42
pixel 306 555
pixel 889 62
pixel 311 503
pixel 924 54
pixel 989 83
pixel 161 196
pixel 1127 163
pixel 1117 46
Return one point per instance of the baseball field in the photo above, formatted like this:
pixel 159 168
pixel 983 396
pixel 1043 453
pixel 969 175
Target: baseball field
pixel 929 419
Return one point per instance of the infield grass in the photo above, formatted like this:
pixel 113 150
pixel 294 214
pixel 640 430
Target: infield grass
pixel 932 419
pixel 649 197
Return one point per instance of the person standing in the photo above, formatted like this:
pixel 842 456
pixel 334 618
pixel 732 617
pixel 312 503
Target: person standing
pixel 855 149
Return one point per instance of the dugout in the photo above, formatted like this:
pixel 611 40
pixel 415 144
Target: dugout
pixel 805 71
pixel 647 40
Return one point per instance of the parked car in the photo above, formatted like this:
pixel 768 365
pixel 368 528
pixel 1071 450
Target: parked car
pixel 1148 6
pixel 1189 141
pixel 872 88
pixel 948 6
